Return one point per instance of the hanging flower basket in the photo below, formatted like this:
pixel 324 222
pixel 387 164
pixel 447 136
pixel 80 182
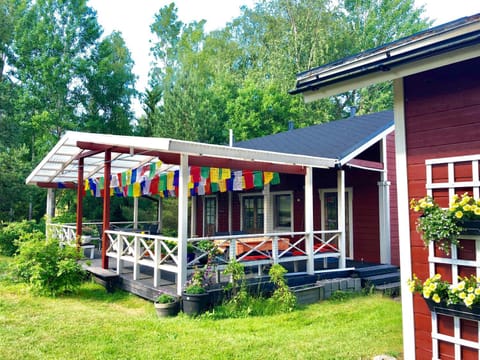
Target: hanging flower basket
pixel 444 226
pixel 460 310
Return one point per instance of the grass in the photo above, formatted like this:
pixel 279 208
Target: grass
pixel 95 325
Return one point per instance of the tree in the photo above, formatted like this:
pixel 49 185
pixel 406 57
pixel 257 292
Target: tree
pixel 110 87
pixel 239 77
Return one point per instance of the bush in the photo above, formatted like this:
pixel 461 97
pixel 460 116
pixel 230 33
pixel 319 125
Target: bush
pixel 48 268
pixel 10 235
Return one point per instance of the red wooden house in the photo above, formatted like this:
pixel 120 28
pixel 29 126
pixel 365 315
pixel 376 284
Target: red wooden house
pixel 361 145
pixel 436 75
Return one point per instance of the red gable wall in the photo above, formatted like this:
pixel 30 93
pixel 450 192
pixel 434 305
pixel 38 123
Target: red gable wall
pixel 442 111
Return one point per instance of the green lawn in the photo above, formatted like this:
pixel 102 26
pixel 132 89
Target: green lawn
pixel 96 325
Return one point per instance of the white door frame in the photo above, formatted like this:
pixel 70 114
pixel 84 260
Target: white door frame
pixel 349 191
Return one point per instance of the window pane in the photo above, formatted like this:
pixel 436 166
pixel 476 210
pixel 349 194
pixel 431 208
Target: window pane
pixel 283 210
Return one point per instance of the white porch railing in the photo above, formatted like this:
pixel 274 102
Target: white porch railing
pixel 161 253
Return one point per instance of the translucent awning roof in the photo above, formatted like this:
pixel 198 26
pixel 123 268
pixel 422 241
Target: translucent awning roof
pixel 60 165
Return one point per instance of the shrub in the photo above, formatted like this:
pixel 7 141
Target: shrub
pixel 48 268
pixel 282 296
pixel 10 235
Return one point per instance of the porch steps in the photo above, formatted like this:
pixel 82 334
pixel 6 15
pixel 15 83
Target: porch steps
pixel 383 278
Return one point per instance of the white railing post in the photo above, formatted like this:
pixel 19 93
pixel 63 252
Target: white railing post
pixel 156 270
pixel 275 249
pixel 136 256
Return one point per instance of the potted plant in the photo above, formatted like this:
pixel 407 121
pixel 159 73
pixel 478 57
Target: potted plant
pixel 442 297
pixel 196 298
pixel 167 305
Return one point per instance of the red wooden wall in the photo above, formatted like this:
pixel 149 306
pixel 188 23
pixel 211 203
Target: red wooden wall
pixel 442 110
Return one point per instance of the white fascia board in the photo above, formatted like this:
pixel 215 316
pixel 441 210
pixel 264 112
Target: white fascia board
pixel 393 50
pixel 365 146
pixel 229 152
pixel 396 72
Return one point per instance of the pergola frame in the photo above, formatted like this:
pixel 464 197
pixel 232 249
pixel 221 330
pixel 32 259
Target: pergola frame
pixel 79 156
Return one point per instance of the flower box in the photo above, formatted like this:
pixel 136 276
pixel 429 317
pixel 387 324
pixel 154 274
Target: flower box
pixel 459 310
pixel 470 227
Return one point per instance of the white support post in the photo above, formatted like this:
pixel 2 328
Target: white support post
pixel 135 213
pixel 50 209
pixel 342 261
pixel 136 257
pixel 267 213
pixel 384 209
pixel 309 220
pixel 403 220
pixel 193 218
pixel 182 222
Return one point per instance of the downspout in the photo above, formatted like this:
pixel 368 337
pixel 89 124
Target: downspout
pixel 384 208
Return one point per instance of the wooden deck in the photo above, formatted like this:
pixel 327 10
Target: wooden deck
pixel 144 288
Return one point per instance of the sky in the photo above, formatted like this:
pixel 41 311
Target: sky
pixel 134 17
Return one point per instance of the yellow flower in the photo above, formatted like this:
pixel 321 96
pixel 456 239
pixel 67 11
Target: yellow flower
pixel 468 302
pixel 462 295
pixel 467 208
pixel 458 214
pixel 426 293
pixel 436 298
pixel 470 289
pixel 471 297
pixel 477 211
pixel 477 291
pixel 461 286
pixel 416 208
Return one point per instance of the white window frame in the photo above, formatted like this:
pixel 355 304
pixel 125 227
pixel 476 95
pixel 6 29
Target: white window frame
pixel 275 211
pixel 349 191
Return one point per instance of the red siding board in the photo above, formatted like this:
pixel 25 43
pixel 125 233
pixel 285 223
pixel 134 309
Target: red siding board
pixel 442 108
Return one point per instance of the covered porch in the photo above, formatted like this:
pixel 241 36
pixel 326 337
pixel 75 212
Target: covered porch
pixel 80 157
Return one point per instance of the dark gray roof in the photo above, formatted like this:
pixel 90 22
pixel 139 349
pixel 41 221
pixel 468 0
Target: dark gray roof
pixel 334 140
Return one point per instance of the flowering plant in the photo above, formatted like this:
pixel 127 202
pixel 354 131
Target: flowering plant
pixel 202 277
pixel 465 207
pixel 436 224
pixel 466 291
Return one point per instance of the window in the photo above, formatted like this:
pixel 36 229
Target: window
pixel 210 215
pixel 282 211
pixel 252 214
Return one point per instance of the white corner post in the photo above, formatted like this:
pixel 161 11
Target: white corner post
pixel 309 220
pixel 342 261
pixel 182 222
pixel 403 219
pixel 384 208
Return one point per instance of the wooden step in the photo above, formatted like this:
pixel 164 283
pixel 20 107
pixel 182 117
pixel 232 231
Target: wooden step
pixel 381 279
pixel 367 271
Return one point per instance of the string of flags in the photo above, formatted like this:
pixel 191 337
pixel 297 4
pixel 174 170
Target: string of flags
pixel 150 180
